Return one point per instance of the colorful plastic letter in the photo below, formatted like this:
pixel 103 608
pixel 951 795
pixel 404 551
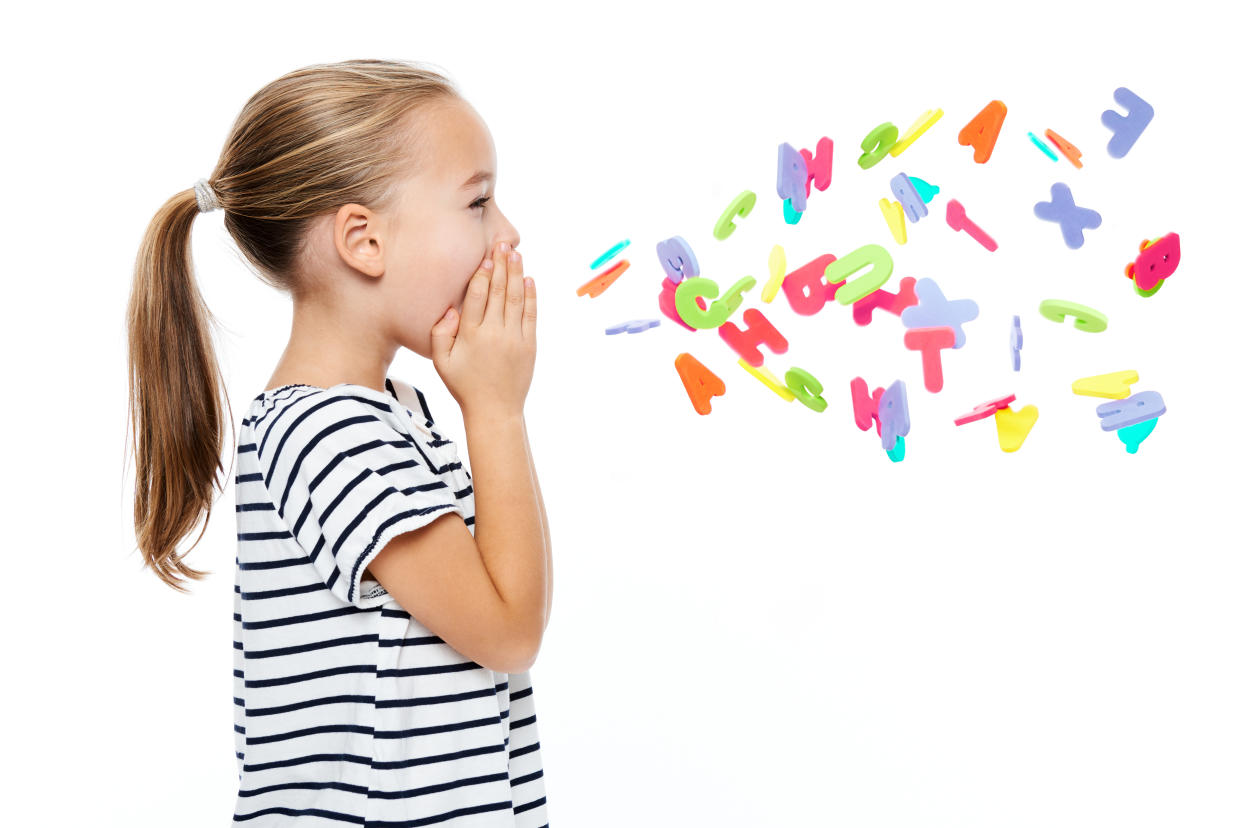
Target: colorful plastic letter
pixel 877 145
pixel 894 303
pixel 984 410
pixel 632 326
pixel 732 298
pixel 895 217
pixel 819 165
pixel 1015 343
pixel 740 206
pixel 805 287
pixel 609 253
pixel 776 273
pixel 955 215
pixel 1071 217
pixel 701 384
pixel 677 259
pixel 791 176
pixel 866 404
pixel 982 130
pixel 1042 146
pixel 691 289
pixel 1126 128
pixel 1156 262
pixel 1121 413
pixel 1067 149
pixel 869 254
pixel 934 311
pixel 1086 319
pixel 806 388
pixel 898 452
pixel 759 330
pixel 908 196
pixel 1134 435
pixel 769 379
pixel 894 414
pixel 668 303
pixel 601 282
pixel 792 216
pixel 916 129
pixel 926 191
pixel 1013 426
pixel 931 341
pixel 1114 386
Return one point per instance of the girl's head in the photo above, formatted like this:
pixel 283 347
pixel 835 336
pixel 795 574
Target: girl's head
pixel 350 186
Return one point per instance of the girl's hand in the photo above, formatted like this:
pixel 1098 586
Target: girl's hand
pixel 487 356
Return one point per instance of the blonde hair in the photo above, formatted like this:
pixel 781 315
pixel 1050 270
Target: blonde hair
pixel 304 144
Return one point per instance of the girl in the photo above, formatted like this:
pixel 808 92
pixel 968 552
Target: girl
pixel 383 632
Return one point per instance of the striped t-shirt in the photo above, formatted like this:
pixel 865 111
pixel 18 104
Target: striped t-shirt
pixel 347 710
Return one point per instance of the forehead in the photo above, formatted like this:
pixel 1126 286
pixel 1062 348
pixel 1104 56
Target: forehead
pixel 456 145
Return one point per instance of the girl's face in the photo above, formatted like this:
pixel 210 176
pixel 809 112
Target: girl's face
pixel 445 221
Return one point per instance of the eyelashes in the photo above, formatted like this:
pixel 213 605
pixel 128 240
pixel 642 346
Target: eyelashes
pixel 480 202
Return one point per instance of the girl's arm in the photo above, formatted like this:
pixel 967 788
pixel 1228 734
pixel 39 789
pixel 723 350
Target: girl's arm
pixel 543 517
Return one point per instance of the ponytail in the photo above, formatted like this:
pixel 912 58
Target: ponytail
pixel 174 394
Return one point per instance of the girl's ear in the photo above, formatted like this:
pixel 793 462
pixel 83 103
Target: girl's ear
pixel 355 234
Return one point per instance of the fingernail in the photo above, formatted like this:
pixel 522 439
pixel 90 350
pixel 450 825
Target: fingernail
pixel 487 264
pixel 504 247
pixel 513 257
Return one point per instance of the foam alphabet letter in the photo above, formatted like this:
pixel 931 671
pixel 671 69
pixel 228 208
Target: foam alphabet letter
pixel 791 176
pixel 931 341
pixel 1087 319
pixel 895 218
pixel 866 405
pixel 819 166
pixel 982 130
pixel 869 254
pixel 916 129
pixel 668 303
pixel 1126 128
pixel 806 388
pixel 759 330
pixel 1121 413
pixel 740 206
pixel 894 415
pixel 894 303
pixel 677 259
pixel 805 287
pixel 1114 386
pixel 1013 426
pixel 908 196
pixel 701 384
pixel 877 145
pixel 691 289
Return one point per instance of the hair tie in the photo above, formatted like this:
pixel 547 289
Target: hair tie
pixel 207 200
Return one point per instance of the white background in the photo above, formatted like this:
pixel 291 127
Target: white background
pixel 758 618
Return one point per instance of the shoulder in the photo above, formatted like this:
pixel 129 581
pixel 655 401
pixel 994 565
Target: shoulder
pixel 413 399
pixel 338 416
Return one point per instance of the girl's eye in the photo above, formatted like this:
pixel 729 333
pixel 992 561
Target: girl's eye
pixel 480 202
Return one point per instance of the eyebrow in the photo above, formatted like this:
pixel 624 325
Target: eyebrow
pixel 477 178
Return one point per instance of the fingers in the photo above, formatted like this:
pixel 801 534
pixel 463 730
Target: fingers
pixel 495 313
pixel 528 314
pixel 473 305
pixel 517 292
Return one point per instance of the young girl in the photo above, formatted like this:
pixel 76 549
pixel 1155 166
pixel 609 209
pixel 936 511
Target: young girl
pixel 383 628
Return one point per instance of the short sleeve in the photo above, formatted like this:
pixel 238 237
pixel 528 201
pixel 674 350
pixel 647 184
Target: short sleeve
pixel 346 480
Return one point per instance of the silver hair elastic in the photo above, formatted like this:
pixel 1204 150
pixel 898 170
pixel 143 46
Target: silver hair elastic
pixel 207 200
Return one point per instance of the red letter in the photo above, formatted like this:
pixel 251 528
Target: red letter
pixel 758 330
pixel 805 287
pixel 931 341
